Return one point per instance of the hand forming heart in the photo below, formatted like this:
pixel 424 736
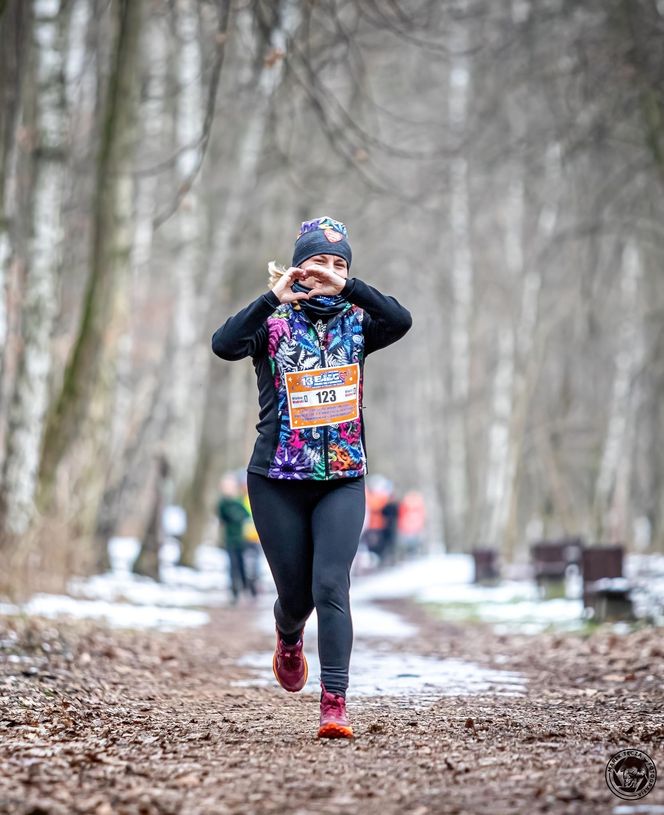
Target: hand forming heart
pixel 326 281
pixel 283 286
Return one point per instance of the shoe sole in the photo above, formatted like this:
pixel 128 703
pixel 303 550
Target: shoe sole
pixel 276 675
pixel 332 730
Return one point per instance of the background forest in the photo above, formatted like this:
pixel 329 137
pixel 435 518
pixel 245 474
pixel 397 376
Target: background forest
pixel 500 167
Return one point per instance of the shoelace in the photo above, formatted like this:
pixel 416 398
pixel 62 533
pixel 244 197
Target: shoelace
pixel 336 701
pixel 290 653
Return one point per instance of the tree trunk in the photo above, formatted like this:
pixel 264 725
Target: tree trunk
pixel 15 28
pixel 81 411
pixel 528 354
pixel 499 441
pixel 30 399
pixel 147 562
pixel 197 501
pixel 186 380
pixel 617 452
pixel 462 284
pixel 141 415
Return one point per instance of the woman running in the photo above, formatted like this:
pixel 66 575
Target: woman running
pixel 308 338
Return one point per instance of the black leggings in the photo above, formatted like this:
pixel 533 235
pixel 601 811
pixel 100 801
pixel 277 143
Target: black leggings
pixel 310 531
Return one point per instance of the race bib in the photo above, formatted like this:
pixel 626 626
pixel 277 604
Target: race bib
pixel 323 396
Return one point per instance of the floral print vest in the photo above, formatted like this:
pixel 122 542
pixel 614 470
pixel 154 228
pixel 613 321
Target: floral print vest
pixel 329 451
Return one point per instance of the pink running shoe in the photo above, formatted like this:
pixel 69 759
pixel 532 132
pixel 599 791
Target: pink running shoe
pixel 289 664
pixel 334 722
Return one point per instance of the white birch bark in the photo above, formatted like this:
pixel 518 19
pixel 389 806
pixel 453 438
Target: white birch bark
pixel 509 334
pixel 5 259
pixel 525 351
pixel 79 79
pixel 499 439
pixel 503 386
pixel 186 318
pixel 462 283
pixel 30 397
pixel 615 461
pixel 426 407
pixel 5 252
pixel 8 214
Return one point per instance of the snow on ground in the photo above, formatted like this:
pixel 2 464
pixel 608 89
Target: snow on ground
pixel 122 615
pixel 444 580
pixel 411 577
pixel 124 599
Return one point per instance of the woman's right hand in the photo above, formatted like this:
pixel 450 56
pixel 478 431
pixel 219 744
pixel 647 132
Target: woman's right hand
pixel 283 288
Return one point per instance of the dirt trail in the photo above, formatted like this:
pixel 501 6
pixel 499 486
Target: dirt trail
pixel 100 721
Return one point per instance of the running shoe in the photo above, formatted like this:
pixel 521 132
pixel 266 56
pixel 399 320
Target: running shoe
pixel 289 664
pixel 334 722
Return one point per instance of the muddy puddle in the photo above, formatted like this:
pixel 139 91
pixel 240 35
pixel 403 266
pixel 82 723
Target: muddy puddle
pixel 415 677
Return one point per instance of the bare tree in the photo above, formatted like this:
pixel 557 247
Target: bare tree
pixel 81 408
pixel 30 398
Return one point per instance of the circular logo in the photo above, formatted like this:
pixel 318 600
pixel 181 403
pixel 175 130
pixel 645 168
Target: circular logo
pixel 630 774
pixel 332 235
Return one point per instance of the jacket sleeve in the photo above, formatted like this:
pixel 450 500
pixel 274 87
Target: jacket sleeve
pixel 245 333
pixel 385 319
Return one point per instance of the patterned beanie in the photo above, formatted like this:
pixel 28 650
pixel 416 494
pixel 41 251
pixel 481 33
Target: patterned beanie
pixel 322 236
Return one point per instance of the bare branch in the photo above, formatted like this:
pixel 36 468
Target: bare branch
pixel 185 186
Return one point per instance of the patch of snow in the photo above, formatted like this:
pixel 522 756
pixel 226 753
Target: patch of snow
pixel 446 579
pixel 174 520
pixel 123 615
pixel 430 573
pixel 180 586
pixel 143 591
pixel 180 598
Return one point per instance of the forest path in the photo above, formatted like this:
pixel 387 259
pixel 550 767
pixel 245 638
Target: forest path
pixel 94 720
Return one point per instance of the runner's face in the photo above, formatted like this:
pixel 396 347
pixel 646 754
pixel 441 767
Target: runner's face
pixel 332 262
pixel 228 487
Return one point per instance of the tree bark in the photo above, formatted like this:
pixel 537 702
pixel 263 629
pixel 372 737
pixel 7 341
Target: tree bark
pixel 462 284
pixel 617 450
pixel 198 497
pixel 15 29
pixel 147 562
pixel 83 405
pixel 186 379
pixel 30 399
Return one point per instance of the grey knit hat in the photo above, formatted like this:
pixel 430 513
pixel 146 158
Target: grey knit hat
pixel 322 236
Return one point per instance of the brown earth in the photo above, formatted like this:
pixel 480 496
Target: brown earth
pixel 94 720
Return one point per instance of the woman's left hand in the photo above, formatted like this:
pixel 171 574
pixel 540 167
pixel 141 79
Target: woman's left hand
pixel 327 281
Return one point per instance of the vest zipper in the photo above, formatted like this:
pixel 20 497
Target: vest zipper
pixel 320 327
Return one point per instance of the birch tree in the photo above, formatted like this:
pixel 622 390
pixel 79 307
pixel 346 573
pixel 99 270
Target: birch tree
pixel 186 319
pixel 461 274
pixel 29 403
pixel 616 457
pixel 82 406
pixel 15 25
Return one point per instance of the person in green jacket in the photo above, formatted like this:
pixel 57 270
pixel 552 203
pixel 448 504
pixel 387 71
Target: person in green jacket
pixel 233 516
